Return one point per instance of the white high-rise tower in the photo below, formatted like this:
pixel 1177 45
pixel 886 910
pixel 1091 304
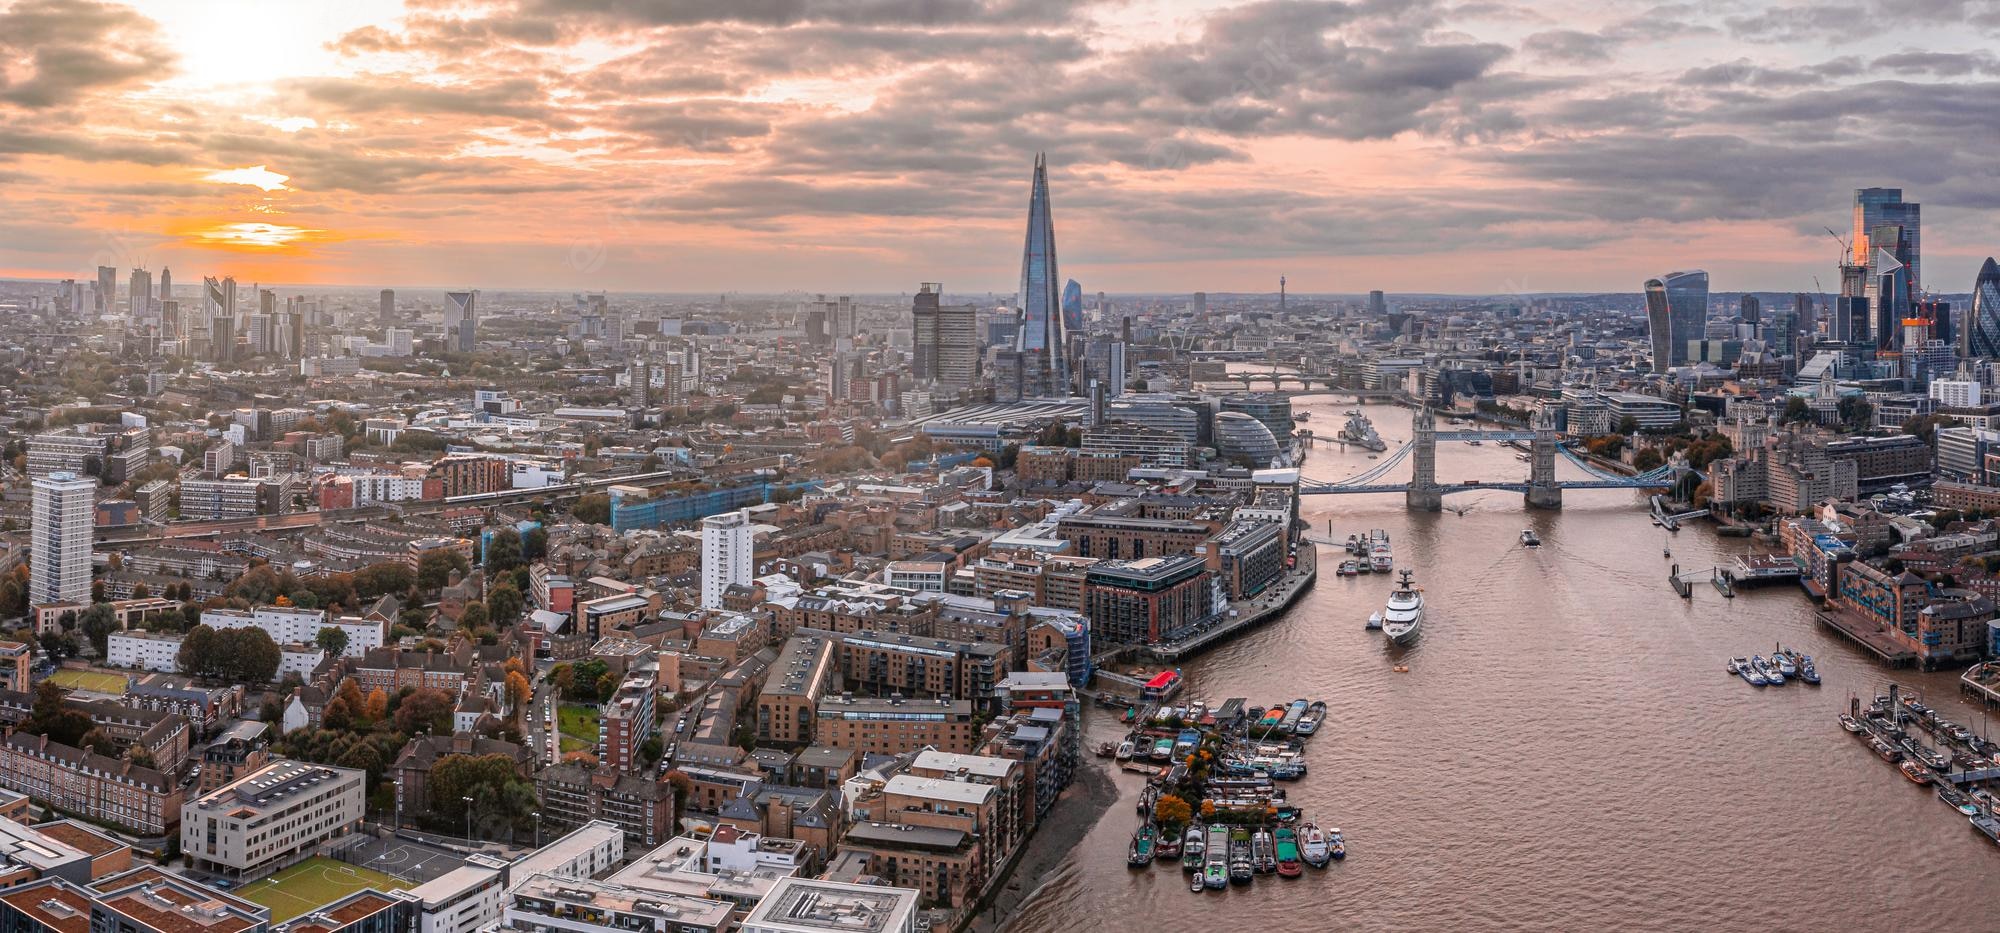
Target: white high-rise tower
pixel 59 565
pixel 727 548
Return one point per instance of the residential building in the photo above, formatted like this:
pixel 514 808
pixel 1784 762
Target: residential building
pixel 728 544
pixel 640 806
pixel 289 626
pixel 787 706
pixel 894 725
pixel 141 800
pixel 804 905
pixel 60 539
pixel 1151 599
pixel 142 650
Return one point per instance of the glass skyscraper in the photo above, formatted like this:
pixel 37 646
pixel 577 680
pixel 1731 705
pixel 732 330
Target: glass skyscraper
pixel 1041 342
pixel 1982 325
pixel 1676 313
pixel 1874 207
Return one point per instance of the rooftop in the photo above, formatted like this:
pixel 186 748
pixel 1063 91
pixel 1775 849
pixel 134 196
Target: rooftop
pixel 800 905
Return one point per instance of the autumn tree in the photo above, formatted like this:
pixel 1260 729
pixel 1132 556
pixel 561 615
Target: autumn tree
pixel 593 509
pixel 50 716
pixel 1172 809
pixel 518 689
pixel 427 710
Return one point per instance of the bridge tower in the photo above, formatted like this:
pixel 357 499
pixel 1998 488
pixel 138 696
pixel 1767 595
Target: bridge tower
pixel 1543 493
pixel 1423 494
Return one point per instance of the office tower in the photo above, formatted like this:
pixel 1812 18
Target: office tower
pixel 960 352
pixel 387 314
pixel 1072 309
pixel 222 338
pixel 1876 207
pixel 813 324
pixel 461 320
pixel 1676 312
pixel 924 332
pixel 1805 316
pixel 1749 310
pixel 1850 322
pixel 727 545
pixel 140 304
pixel 1982 323
pixel 166 283
pixel 839 370
pixel 59 564
pixel 1889 287
pixel 295 333
pixel 258 329
pixel 1378 304
pixel 170 319
pixel 218 297
pixel 267 301
pixel 1201 306
pixel 1040 340
pixel 107 288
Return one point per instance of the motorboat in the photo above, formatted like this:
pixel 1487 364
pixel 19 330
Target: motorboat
pixel 1263 852
pixel 1529 538
pixel 1241 868
pixel 1289 865
pixel 1140 853
pixel 1313 845
pixel 1808 671
pixel 1750 673
pixel 1215 858
pixel 1852 724
pixel 1403 617
pixel 1336 844
pixel 1309 723
pixel 1374 623
pixel 1917 773
pixel 1349 568
pixel 1783 662
pixel 1772 675
pixel 1194 850
pixel 1379 554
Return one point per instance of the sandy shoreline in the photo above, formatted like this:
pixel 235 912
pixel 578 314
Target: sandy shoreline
pixel 1088 798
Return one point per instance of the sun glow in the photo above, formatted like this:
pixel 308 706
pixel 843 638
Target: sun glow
pixel 254 236
pixel 256 176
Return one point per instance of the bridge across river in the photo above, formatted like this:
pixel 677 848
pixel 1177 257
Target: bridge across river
pixel 1541 490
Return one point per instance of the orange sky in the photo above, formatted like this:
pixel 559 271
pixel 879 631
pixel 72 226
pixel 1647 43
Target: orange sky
pixel 866 145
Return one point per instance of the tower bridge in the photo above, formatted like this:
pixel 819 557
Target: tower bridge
pixel 1423 493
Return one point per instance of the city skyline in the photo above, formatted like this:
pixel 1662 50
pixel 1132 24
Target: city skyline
pixel 1480 149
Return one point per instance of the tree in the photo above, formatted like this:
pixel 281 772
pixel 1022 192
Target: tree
pixel 535 544
pixel 338 715
pixel 349 692
pixel 1646 459
pixel 98 622
pixel 435 568
pixel 378 580
pixel 1796 410
pixel 593 509
pixel 332 639
pixel 198 648
pixel 564 677
pixel 472 617
pixel 97 591
pixel 504 604
pixel 518 689
pixel 1628 425
pixel 142 758
pixel 141 591
pixel 1172 809
pixel 51 716
pixel 99 741
pixel 503 551
pixel 426 710
pixel 259 585
pixel 378 705
pixel 13 599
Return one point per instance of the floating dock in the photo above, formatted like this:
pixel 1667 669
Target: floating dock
pixel 1871 635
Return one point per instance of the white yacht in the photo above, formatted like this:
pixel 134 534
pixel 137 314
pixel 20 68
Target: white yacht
pixel 1404 615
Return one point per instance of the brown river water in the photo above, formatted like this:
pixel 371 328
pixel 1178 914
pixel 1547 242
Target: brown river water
pixel 1566 751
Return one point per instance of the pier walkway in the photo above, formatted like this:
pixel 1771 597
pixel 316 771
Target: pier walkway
pixel 1871 635
pixel 1265 607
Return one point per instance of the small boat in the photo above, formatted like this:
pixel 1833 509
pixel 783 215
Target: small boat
pixel 1241 868
pixel 1958 801
pixel 1309 723
pixel 1750 673
pixel 1529 538
pixel 1350 568
pixel 1289 865
pixel 1772 675
pixel 1148 798
pixel 1194 851
pixel 1886 751
pixel 1784 664
pixel 1170 846
pixel 1106 749
pixel 1313 846
pixel 1196 883
pixel 1374 623
pixel 1215 853
pixel 1915 772
pixel 1140 853
pixel 1263 852
pixel 1124 750
pixel 1808 672
pixel 1163 749
pixel 1735 665
pixel 1852 724
pixel 1336 844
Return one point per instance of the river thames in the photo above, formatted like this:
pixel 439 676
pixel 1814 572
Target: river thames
pixel 1566 751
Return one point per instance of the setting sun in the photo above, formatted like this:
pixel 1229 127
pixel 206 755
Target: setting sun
pixel 256 176
pixel 254 236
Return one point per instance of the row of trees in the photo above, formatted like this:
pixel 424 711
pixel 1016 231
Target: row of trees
pixel 501 798
pixel 238 655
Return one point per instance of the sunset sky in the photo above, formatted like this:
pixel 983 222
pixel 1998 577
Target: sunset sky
pixel 1482 146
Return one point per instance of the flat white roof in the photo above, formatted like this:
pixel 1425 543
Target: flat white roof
pixel 939 789
pixel 982 765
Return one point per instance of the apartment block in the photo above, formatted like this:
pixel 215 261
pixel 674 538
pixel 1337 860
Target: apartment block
pixel 272 818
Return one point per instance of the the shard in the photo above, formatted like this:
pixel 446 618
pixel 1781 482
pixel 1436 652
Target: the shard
pixel 1041 342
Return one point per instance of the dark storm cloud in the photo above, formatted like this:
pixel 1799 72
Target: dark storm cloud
pixel 55 52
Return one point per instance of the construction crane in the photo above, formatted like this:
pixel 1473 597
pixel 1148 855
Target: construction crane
pixel 1846 248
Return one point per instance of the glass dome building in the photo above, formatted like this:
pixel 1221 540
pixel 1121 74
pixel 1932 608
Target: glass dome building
pixel 1245 440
